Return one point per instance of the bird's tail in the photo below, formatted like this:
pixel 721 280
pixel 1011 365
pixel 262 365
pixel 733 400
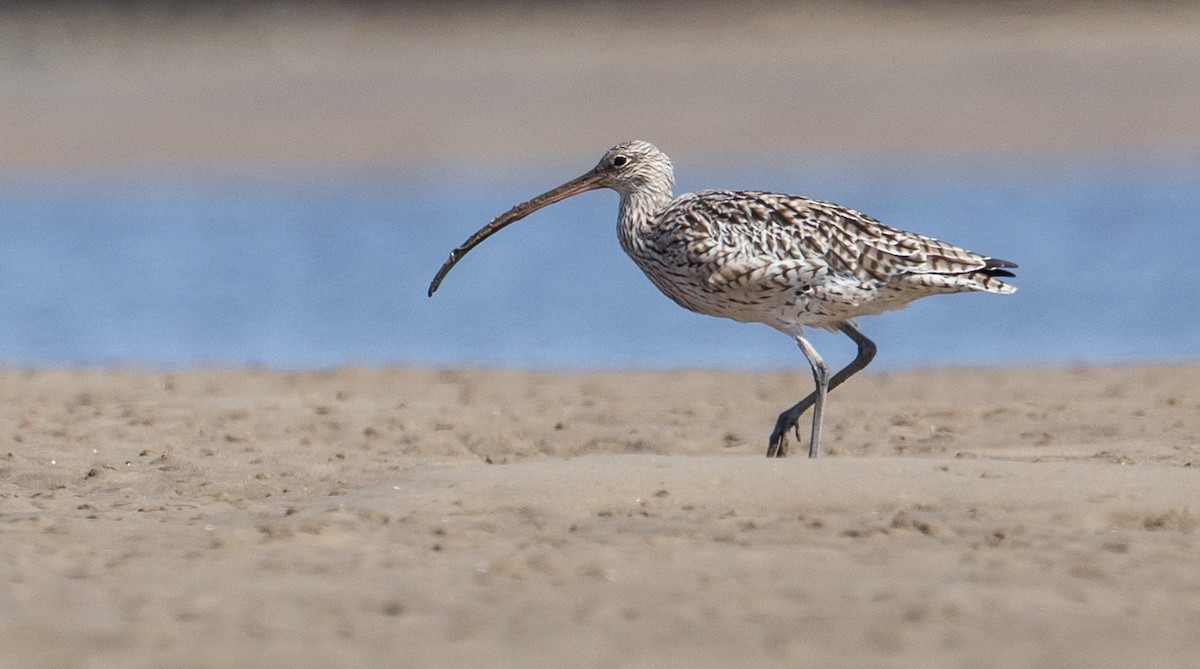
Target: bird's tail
pixel 959 279
pixel 988 277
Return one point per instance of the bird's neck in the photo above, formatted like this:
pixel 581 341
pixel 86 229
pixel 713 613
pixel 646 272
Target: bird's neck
pixel 639 210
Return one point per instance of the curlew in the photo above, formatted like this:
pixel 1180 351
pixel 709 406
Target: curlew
pixel 781 260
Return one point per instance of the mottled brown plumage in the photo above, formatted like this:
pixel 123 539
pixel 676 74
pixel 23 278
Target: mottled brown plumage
pixel 781 260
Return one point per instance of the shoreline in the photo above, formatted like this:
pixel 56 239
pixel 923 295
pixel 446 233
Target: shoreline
pixel 369 517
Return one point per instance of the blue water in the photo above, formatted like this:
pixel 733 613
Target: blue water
pixel 320 268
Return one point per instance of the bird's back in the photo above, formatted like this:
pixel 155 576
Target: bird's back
pixel 788 261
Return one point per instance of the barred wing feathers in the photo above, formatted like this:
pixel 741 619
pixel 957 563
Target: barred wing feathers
pixel 765 241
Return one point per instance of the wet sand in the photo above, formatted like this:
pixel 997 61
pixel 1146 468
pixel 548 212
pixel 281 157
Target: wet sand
pixel 511 519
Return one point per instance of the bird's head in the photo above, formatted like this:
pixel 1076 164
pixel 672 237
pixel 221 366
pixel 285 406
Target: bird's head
pixel 634 166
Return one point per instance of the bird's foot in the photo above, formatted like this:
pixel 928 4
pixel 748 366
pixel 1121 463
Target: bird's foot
pixel 789 421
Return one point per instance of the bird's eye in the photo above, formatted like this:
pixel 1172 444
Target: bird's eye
pixel 620 161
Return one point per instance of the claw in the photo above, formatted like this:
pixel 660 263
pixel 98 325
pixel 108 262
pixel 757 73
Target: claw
pixel 777 447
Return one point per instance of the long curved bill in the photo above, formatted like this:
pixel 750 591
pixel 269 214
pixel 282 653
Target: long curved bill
pixel 589 181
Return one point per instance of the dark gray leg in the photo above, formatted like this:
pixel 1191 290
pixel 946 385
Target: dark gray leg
pixel 790 419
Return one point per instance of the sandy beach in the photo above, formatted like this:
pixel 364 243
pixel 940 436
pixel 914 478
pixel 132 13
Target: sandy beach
pixel 486 85
pixel 511 519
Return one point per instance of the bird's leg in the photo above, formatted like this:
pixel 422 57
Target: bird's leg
pixel 821 378
pixel 790 419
